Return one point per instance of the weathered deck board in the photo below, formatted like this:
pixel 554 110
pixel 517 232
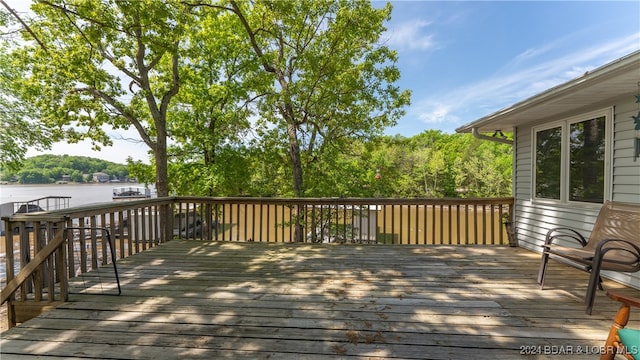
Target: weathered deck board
pixel 190 299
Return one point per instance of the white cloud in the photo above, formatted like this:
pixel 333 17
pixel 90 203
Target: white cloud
pixel 477 99
pixel 410 35
pixel 434 112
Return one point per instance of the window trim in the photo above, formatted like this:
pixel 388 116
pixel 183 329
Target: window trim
pixel 564 125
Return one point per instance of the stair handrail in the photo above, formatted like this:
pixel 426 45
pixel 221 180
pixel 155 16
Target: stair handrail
pixel 27 271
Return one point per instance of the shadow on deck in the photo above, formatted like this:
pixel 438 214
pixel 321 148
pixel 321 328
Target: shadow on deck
pixel 194 299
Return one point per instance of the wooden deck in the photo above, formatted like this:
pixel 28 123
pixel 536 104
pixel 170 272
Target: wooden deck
pixel 193 299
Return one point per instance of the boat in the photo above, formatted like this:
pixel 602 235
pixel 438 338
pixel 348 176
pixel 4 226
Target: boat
pixel 131 193
pixel 46 203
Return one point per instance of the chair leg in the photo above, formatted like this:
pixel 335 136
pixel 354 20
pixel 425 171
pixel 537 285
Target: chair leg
pixel 589 300
pixel 595 281
pixel 543 269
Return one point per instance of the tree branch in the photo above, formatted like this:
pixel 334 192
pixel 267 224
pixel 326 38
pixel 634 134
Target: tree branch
pixel 175 82
pixel 26 27
pixel 122 111
pixel 236 9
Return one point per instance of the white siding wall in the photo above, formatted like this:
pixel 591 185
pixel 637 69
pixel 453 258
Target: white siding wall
pixel 533 219
pixel 626 170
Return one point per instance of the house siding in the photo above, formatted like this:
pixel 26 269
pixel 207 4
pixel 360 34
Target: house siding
pixel 626 169
pixel 533 219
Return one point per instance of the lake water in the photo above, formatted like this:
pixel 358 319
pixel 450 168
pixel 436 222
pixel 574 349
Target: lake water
pixel 81 194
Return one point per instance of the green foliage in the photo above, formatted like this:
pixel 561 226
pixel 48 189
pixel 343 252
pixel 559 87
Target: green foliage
pixel 19 127
pixel 270 98
pixel 91 66
pixel 431 164
pixel 329 80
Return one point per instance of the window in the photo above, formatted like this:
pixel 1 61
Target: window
pixel 548 162
pixel 586 160
pixel 570 158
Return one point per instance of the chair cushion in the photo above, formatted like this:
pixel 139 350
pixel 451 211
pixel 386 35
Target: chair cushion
pixel 631 340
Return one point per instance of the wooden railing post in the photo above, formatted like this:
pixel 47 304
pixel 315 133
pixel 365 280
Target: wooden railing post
pixel 10 266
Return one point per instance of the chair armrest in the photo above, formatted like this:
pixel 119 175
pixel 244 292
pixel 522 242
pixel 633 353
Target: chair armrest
pixel 564 233
pixel 629 247
pixel 627 300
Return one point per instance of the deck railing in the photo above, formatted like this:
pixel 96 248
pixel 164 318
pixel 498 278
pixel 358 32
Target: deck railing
pixel 46 249
pixel 348 220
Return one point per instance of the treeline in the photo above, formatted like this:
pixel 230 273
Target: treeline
pixel 431 164
pixel 45 169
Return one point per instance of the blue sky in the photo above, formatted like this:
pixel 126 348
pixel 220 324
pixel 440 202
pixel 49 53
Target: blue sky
pixel 466 59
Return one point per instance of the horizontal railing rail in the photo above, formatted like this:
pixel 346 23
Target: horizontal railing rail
pixel 138 225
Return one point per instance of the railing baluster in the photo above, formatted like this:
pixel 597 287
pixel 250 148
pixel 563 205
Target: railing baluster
pixel 393 223
pixel 134 235
pixel 404 230
pixel 38 274
pixel 425 232
pixel 103 249
pixel 492 229
pixel 70 250
pixel 458 224
pixel 268 222
pixel 417 211
pixel 51 264
pixel 501 219
pixel 361 238
pixel 128 228
pixel 62 265
pixel 484 224
pixel 94 243
pixel 449 223
pixel 344 222
pixel 282 225
pixel 143 230
pixel 155 228
pixel 83 244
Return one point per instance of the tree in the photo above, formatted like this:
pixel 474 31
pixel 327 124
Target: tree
pixel 330 80
pixel 19 128
pixel 484 171
pixel 104 63
pixel 210 119
pixel 112 64
pixel 35 176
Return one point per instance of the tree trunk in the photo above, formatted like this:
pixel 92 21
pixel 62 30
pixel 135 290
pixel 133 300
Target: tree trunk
pixel 296 163
pixel 296 166
pixel 162 183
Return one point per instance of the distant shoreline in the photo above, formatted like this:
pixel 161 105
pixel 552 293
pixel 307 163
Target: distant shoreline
pixel 80 193
pixel 69 183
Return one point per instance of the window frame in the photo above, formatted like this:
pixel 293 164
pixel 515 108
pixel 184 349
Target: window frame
pixel 564 125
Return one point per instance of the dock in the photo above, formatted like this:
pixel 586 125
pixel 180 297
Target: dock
pixel 192 299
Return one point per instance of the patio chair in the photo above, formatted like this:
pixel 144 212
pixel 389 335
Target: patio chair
pixel 621 340
pixel 614 244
